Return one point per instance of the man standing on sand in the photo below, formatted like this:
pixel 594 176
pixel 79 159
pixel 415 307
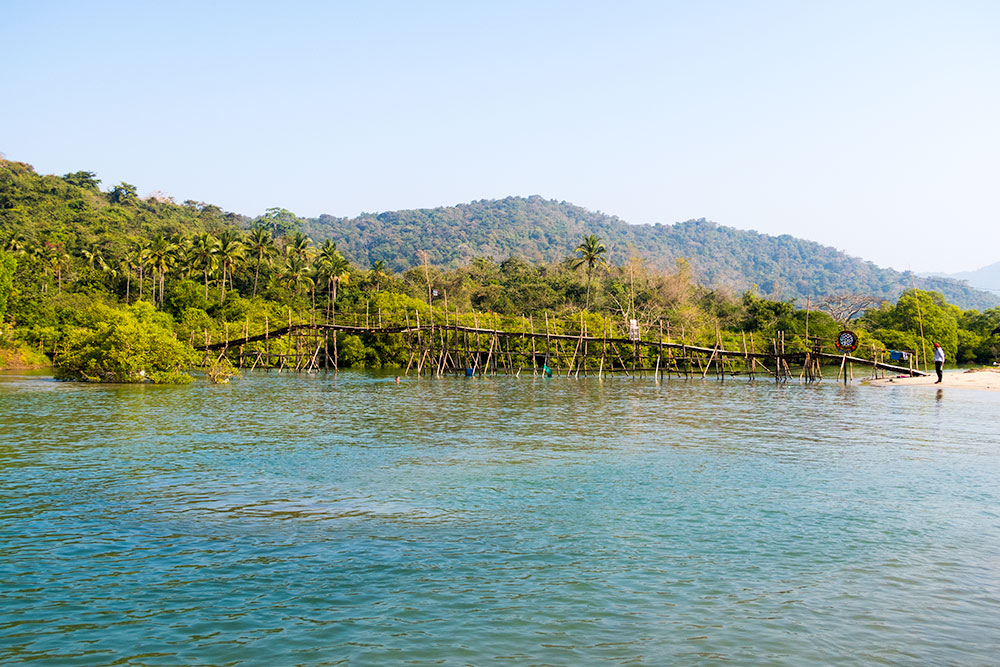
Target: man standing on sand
pixel 938 361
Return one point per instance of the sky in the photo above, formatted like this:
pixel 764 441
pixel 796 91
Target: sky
pixel 871 127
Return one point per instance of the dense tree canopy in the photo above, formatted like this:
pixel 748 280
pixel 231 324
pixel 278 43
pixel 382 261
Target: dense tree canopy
pixel 133 344
pixel 87 275
pixel 7 266
pixel 540 230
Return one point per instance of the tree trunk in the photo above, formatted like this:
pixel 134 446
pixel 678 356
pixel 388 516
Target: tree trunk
pixel 255 274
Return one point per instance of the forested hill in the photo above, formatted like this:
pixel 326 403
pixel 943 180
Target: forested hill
pixel 70 214
pixel 783 267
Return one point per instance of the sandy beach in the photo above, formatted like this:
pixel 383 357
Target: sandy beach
pixel 983 379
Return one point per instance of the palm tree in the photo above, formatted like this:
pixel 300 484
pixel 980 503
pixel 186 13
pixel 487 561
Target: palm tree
pixel 332 269
pixel 323 266
pixel 230 250
pixel 55 257
pixel 161 259
pixel 62 261
pixel 142 260
pixel 130 262
pixel 591 254
pixel 299 245
pixel 204 253
pixel 186 266
pixel 378 273
pixel 182 254
pixel 312 277
pixel 340 270
pixel 260 243
pixel 38 253
pixel 95 259
pixel 295 274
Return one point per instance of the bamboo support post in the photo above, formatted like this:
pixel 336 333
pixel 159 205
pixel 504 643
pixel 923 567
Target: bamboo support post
pixel 659 353
pixel 604 348
pixel 475 363
pixel 420 345
pixel 548 344
pixel 523 339
pixel 579 341
pixel 534 352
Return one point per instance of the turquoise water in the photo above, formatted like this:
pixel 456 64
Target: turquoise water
pixel 344 519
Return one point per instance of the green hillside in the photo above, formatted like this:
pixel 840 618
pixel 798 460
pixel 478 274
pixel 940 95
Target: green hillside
pixel 782 267
pixel 72 212
pixel 117 288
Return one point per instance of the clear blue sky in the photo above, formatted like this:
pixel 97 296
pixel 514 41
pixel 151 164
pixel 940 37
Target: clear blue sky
pixel 868 126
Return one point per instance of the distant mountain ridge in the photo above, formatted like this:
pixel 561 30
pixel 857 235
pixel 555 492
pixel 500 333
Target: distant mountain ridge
pixel 986 278
pixel 782 267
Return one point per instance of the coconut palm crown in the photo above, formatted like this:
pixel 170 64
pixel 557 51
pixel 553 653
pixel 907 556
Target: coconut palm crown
pixel 590 254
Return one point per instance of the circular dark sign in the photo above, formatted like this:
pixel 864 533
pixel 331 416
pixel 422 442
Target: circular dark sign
pixel 847 341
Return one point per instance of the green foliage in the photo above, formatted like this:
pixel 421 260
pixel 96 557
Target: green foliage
pixel 83 179
pixel 280 221
pixel 540 230
pixel 123 193
pixel 132 344
pixel 221 371
pixel 7 266
pixel 352 351
pixel 763 315
pixel 898 340
pixel 973 347
pixel 590 254
pixel 184 295
pixel 17 355
pixel 75 251
pixel 395 306
pixel 821 325
pixel 917 313
pixel 194 320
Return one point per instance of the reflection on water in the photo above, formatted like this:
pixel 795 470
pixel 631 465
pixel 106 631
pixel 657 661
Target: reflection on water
pixel 322 518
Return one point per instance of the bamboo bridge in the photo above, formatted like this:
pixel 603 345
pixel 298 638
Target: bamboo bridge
pixel 440 348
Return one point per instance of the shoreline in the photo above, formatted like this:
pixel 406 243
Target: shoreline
pixel 978 379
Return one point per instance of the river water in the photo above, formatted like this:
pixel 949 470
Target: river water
pixel 345 519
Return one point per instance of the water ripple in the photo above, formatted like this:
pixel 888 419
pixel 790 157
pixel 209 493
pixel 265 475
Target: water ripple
pixel 338 519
